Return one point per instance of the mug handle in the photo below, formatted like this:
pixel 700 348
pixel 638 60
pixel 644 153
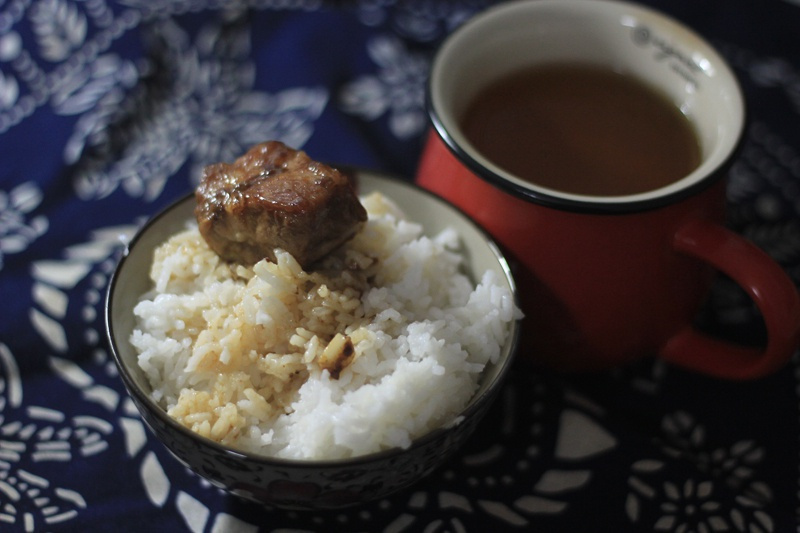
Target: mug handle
pixel 765 282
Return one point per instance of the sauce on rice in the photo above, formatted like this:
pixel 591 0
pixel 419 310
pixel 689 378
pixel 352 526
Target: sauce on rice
pixel 382 342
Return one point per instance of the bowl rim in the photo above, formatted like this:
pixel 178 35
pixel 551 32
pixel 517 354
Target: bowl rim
pixel 475 402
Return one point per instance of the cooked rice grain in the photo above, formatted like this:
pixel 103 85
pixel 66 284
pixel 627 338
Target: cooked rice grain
pixel 233 352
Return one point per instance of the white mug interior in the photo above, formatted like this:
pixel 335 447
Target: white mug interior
pixel 625 37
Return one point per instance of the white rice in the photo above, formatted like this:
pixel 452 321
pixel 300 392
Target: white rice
pixel 233 352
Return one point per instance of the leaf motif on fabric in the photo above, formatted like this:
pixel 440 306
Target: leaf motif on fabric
pixel 60 28
pixel 10 46
pixel 39 435
pixel 87 87
pixel 17 229
pixel 664 497
pixel 580 437
pixel 53 277
pixel 397 90
pixel 559 481
pixel 420 21
pixel 197 106
pixel 193 511
pixel 156 482
pixel 503 512
pixel 9 91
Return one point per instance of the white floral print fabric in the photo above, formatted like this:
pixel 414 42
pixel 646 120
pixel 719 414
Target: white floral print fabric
pixel 108 111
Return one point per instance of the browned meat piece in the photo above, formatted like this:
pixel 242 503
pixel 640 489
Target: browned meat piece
pixel 276 197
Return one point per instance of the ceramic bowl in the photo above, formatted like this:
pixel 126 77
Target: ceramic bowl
pixel 304 484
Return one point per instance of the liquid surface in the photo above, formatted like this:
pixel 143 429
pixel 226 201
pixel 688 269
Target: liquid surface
pixel 582 129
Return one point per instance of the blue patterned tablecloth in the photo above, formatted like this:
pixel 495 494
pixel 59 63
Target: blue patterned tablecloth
pixel 108 109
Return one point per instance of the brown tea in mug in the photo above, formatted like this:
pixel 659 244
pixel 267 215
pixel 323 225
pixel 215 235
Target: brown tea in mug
pixel 582 129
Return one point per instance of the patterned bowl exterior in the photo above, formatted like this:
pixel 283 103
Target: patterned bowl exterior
pixel 310 485
pixel 295 484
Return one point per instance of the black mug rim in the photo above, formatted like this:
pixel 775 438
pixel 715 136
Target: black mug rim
pixel 570 204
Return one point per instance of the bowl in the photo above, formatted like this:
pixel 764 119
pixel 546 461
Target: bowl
pixel 305 484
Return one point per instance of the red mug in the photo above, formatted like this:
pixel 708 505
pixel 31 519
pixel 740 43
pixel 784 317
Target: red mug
pixel 605 280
